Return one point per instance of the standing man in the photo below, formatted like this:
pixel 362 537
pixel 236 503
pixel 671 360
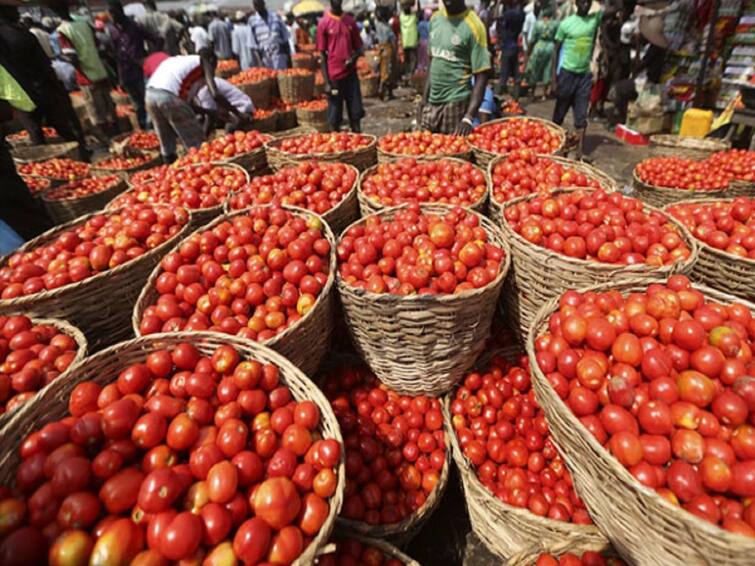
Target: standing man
pixel 340 45
pixel 269 37
pixel 508 26
pixel 458 53
pixel 220 35
pixel 573 82
pixel 241 41
pixel 409 36
pixel 198 34
pixel 161 25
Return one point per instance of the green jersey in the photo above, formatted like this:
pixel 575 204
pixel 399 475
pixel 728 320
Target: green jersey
pixel 459 49
pixel 82 38
pixel 409 33
pixel 577 34
pixel 13 93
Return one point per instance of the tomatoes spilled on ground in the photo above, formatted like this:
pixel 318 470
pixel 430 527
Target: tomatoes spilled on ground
pixel 143 140
pixel 523 172
pixel 727 226
pixel 83 188
pixel 101 243
pixel 598 226
pixel 199 186
pixel 663 380
pixel 224 147
pixel 316 186
pixel 252 75
pixel 317 142
pixel 395 446
pixel 418 252
pixel 31 356
pixel 350 552
pixel 123 163
pixel 502 431
pixel 61 169
pixel 183 456
pixel 254 275
pixel 436 180
pixel 36 184
pixel 570 559
pixel 516 133
pixel 423 143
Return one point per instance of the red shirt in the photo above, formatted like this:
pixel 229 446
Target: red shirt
pixel 339 37
pixel 152 62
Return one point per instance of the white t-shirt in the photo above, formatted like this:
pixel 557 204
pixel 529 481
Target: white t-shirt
pixel 233 95
pixel 181 75
pixel 199 37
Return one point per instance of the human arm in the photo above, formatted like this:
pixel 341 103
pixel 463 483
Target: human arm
pixel 322 46
pixel 554 63
pixel 478 93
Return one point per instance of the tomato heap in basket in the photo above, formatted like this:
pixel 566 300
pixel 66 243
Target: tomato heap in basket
pixel 57 168
pixel 151 175
pixel 417 252
pixel 228 65
pixel 437 180
pixel 395 446
pixel 101 243
pixel 262 113
pixel 516 133
pixel 24 134
pixel 598 226
pixel 224 147
pixel 727 226
pixel 36 184
pixel 317 186
pixel 570 559
pixel 182 457
pixel 31 356
pixel 502 431
pixel 317 142
pixel 123 163
pixel 423 143
pixel 738 163
pixel 523 172
pixel 663 379
pixel 314 105
pixel 253 275
pixel 196 187
pixel 294 72
pixel 281 106
pixel 680 173
pixel 83 188
pixel 251 75
pixel 143 140
pixel 351 552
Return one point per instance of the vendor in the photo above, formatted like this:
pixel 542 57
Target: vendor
pixel 240 119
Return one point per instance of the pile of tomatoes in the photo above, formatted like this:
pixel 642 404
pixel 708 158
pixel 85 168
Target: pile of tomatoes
pixel 143 140
pixel 317 142
pixel 662 379
pixel 253 275
pixel 739 164
pixel 516 133
pixel 523 172
pixel 316 186
pixel 228 65
pixel 152 175
pixel 419 252
pixel 224 147
pixel 570 559
pixel 36 184
pixel 314 105
pixel 183 456
pixel 281 106
pixel 423 143
pixel 252 75
pixel 437 180
pixel 598 226
pixel 61 169
pixel 102 242
pixel 47 133
pixel 83 188
pixel 294 72
pixel 123 163
pixel 680 173
pixel 728 226
pixel 262 113
pixel 351 552
pixel 511 106
pixel 503 432
pixel 31 356
pixel 196 187
pixel 395 447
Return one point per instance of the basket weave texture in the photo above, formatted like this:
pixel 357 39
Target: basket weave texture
pixel 369 86
pixel 686 146
pixel 267 124
pixel 286 120
pixel 315 119
pixel 261 92
pixel 483 156
pixel 385 547
pixel 361 158
pixel 67 209
pixel 296 88
pixel 662 196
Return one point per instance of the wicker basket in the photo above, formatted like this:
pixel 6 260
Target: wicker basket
pixel 261 92
pixel 423 344
pixel 286 120
pixel 304 343
pixel 295 88
pixel 539 274
pixel 361 158
pixel 36 153
pixel 483 156
pixel 739 188
pixel 267 124
pixel 104 368
pixel 576 545
pixel 100 306
pixel 386 548
pixel 686 147
pixel 18 143
pixel 642 526
pixel 369 86
pixel 153 160
pixel 304 61
pixel 662 196
pixel 253 162
pixel 81 353
pixel 369 206
pixel 315 119
pixel 67 209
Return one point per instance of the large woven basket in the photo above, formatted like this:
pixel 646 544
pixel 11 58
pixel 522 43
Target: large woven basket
pixel 253 162
pixel 662 196
pixel 67 209
pixel 483 156
pixel 69 330
pixel 294 88
pixel 104 368
pixel 315 119
pixel 286 119
pixel 305 342
pixel 304 61
pixel 369 86
pixel 686 146
pixel 740 188
pixel 361 158
pixel 99 306
pixel 369 206
pixel 261 92
pixel 386 548
pixel 539 274
pixel 267 124
pixel 423 344
pixel 642 526
pixel 153 160
pixel 36 153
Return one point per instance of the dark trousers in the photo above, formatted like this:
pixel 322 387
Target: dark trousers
pixel 54 110
pixel 135 90
pixel 348 93
pixel 572 91
pixel 509 65
pixel 624 93
pixel 17 207
pixel 410 60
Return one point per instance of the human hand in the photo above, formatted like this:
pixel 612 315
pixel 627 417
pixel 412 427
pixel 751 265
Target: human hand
pixel 465 127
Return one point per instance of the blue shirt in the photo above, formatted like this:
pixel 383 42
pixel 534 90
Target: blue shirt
pixel 270 39
pixel 424 29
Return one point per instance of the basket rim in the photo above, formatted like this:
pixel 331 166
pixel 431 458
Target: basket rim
pixel 271 145
pixel 596 266
pixel 261 81
pixel 393 154
pixel 140 304
pixel 64 147
pixel 70 200
pixel 671 191
pixel 555 128
pixel 677 141
pixel 50 235
pixel 383 545
pixel 152 157
pixel 620 472
pixel 343 287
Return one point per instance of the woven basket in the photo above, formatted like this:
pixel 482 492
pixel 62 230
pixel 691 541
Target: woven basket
pixel 423 344
pixel 361 158
pixel 304 62
pixel 642 526
pixel 119 146
pixel 254 162
pixel 261 92
pixel 153 161
pixel 296 88
pixel 18 143
pixel 662 196
pixel 69 330
pixel 286 120
pixel 36 153
pixel 685 146
pixel 99 306
pixel 483 157
pixel 386 156
pixel 386 548
pixel 369 86
pixel 539 274
pixel 315 119
pixel 67 209
pixel 304 343
pixel 739 188
pixel 369 206
pixel 104 368
pixel 267 124
pixel 576 545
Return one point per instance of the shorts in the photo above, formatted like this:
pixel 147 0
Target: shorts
pixel 443 118
pixel 99 106
pixel 572 91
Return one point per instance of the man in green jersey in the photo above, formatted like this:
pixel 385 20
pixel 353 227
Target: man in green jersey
pixel 458 54
pixel 409 36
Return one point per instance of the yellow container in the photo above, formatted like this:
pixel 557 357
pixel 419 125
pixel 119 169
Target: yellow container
pixel 696 123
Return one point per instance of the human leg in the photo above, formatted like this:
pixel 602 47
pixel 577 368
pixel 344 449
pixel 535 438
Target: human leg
pixel 154 104
pixel 353 96
pixel 582 90
pixel 564 95
pixel 184 122
pixel 135 90
pixel 335 108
